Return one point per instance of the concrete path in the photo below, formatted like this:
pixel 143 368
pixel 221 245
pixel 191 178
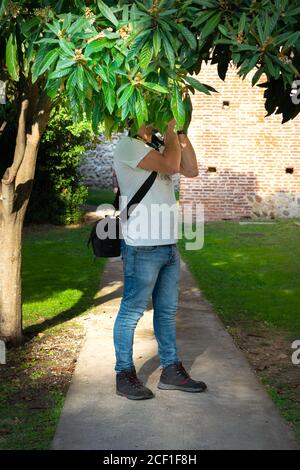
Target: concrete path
pixel 235 413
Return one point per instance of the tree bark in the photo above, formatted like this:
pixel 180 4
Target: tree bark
pixel 11 312
pixel 16 188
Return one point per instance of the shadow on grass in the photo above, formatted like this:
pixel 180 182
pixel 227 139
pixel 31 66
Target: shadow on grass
pixel 87 301
pixel 60 277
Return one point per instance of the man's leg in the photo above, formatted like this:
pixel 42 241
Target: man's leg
pixel 141 269
pixel 165 300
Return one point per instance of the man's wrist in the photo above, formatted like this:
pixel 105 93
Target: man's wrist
pixel 182 132
pixel 182 135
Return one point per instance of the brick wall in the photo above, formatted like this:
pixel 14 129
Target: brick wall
pixel 249 153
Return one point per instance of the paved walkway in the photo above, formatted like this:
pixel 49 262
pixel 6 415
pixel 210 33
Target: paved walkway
pixel 235 413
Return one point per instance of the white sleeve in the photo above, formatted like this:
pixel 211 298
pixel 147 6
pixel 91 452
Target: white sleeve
pixel 131 151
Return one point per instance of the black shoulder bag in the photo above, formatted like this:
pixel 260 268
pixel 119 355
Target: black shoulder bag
pixel 109 247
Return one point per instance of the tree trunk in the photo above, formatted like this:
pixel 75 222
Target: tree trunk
pixel 11 233
pixel 14 205
pixel 1 254
pixel 16 189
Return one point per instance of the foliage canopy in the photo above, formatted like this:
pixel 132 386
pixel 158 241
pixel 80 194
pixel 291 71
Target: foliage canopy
pixel 120 60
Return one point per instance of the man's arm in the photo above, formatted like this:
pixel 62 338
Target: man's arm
pixel 167 162
pixel 188 163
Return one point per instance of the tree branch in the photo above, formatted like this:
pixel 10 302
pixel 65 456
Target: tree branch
pixel 11 172
pixel 33 138
pixel 2 127
pixel 7 199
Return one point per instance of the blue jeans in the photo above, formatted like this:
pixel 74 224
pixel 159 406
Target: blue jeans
pixel 148 270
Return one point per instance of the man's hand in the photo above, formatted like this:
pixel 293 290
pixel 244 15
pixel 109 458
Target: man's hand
pixel 172 124
pixel 169 161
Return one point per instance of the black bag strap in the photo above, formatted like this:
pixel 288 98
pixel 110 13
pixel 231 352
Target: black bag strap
pixel 140 194
pixel 142 191
pixel 136 199
pixel 116 201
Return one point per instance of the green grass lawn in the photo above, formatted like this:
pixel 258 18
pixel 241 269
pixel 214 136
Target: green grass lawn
pixel 106 196
pixel 251 272
pixel 100 196
pixel 60 276
pixel 60 280
pixel 251 276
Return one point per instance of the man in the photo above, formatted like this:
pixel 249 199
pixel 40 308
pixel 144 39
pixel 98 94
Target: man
pixel 151 262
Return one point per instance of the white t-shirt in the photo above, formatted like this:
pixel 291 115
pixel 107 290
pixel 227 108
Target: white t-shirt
pixel 154 221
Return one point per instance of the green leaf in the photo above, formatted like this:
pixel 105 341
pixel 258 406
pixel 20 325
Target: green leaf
pixel 260 30
pixel 52 87
pixel 78 26
pixel 292 12
pixel 177 107
pixel 210 26
pixel 107 12
pixel 12 57
pixel 97 45
pixel 111 78
pixel 242 23
pixel 142 6
pixel 267 28
pixel 270 68
pixel 125 110
pixel 101 72
pixel 47 41
pixel 118 58
pixel 156 43
pixel 60 73
pixel 125 13
pixel 80 77
pixel 67 20
pixel 203 17
pixel 247 47
pixel 141 109
pixel 125 95
pixel 50 58
pixel 71 83
pixel 109 97
pixel 54 28
pixel 168 12
pixel 250 64
pixel 67 47
pixel 146 55
pixel 45 63
pixel 65 62
pixel 29 54
pixel 224 31
pixel 169 52
pixel 292 39
pixel 155 87
pixel 188 36
pixel 197 85
pixel 97 113
pixel 110 35
pixel 109 123
pixel 257 75
pixel 122 87
pixel 27 26
pixel 137 44
pixel 91 79
pixel 169 33
pixel 188 112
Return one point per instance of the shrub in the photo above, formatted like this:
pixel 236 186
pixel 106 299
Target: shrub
pixel 57 192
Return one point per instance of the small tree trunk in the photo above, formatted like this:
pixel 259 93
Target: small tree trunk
pixel 1 253
pixel 11 234
pixel 14 205
pixel 16 189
